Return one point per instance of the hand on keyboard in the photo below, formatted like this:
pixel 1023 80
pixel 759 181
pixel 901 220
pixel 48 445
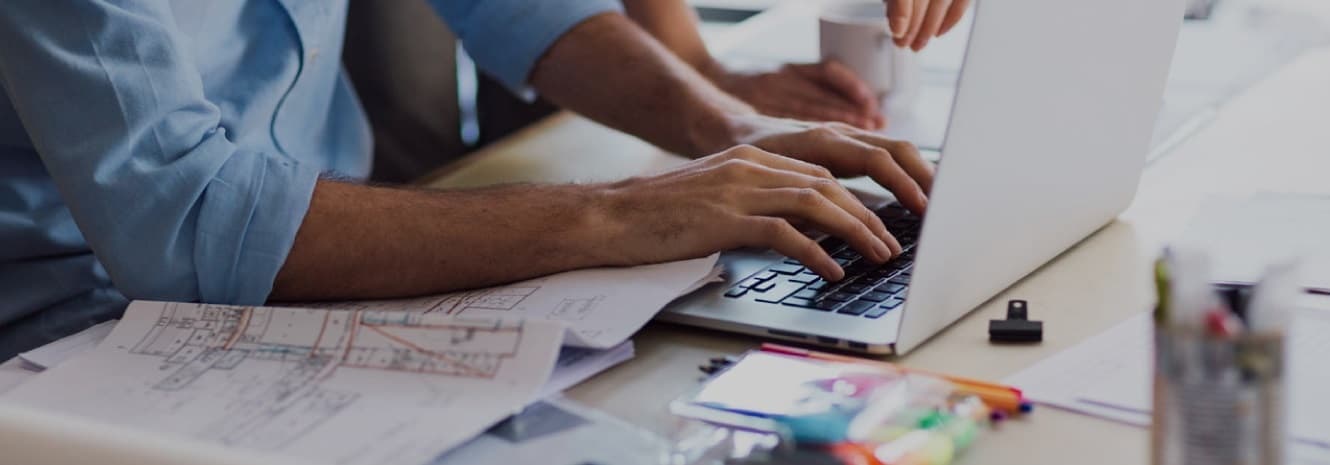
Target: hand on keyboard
pixel 868 289
pixel 847 152
pixel 743 197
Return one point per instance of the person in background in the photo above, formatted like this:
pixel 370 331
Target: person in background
pixel 825 91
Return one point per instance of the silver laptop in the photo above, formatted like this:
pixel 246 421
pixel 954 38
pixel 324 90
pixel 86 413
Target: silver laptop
pixel 1047 139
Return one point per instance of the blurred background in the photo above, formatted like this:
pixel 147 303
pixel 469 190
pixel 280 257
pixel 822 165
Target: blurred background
pixel 1225 46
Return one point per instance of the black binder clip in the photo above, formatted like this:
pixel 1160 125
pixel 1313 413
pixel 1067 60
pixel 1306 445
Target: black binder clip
pixel 1017 327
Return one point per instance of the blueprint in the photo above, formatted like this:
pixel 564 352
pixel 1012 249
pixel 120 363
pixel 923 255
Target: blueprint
pixel 603 306
pixel 344 387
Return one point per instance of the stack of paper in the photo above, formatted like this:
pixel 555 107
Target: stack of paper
pixel 573 366
pixel 1246 234
pixel 326 386
pixel 356 382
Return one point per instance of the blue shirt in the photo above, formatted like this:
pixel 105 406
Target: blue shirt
pixel 168 149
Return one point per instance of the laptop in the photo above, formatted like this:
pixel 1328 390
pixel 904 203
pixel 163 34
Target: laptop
pixel 1046 142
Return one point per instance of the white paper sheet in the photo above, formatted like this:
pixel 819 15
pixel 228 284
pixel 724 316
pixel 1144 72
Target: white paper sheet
pixel 602 306
pixel 12 374
pixel 577 364
pixel 573 366
pixel 327 386
pixel 1246 234
pixel 716 275
pixel 30 436
pixel 53 354
pixel 559 432
pixel 1109 376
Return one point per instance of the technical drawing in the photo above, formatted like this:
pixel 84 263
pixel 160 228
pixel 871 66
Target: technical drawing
pixel 575 309
pixel 306 347
pixel 499 298
pixel 198 339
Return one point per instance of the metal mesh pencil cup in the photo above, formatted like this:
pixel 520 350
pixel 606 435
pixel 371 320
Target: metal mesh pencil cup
pixel 1218 401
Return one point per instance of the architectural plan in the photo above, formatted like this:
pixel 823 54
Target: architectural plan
pixel 602 307
pixel 344 387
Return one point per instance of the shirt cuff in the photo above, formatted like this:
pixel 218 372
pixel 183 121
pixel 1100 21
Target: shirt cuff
pixel 248 221
pixel 507 37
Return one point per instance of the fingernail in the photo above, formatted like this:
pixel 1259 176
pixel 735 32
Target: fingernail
pixel 898 27
pixel 883 252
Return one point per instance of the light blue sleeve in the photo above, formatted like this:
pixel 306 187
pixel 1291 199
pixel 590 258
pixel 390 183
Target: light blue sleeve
pixel 507 37
pixel 114 106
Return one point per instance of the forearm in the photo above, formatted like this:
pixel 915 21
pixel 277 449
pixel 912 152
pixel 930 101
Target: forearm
pixel 674 24
pixel 362 242
pixel 613 72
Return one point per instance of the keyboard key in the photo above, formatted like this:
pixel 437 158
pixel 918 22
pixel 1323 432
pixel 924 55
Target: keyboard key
pixel 779 291
pixel 818 285
pixel 805 278
pixel 841 296
pixel 860 267
pixel 855 288
pixel 892 212
pixel 805 294
pixel 750 282
pixel 765 275
pixel 848 254
pixel 872 282
pixel 843 262
pixel 736 292
pixel 875 297
pixel 891 288
pixel 855 308
pixel 797 302
pixel 791 261
pixel 877 312
pixel 893 303
pixel 826 305
pixel 899 279
pixel 831 245
pixel 764 286
pixel 786 269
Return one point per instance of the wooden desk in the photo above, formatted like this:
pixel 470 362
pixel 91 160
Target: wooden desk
pixel 1274 137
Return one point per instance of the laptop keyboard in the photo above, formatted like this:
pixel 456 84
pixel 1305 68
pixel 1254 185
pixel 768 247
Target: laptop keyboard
pixel 867 290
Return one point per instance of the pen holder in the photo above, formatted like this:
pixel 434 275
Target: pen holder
pixel 1218 400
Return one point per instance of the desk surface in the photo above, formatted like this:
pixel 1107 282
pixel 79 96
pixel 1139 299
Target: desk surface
pixel 1274 137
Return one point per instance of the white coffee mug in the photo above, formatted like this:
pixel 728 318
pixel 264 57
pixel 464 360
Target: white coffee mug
pixel 855 33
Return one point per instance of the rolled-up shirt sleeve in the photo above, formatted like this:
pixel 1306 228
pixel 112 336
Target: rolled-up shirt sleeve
pixel 112 101
pixel 507 37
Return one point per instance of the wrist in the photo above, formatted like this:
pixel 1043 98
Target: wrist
pixel 714 128
pixel 601 227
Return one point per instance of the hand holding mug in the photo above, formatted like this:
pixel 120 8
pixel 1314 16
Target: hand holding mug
pixel 915 22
